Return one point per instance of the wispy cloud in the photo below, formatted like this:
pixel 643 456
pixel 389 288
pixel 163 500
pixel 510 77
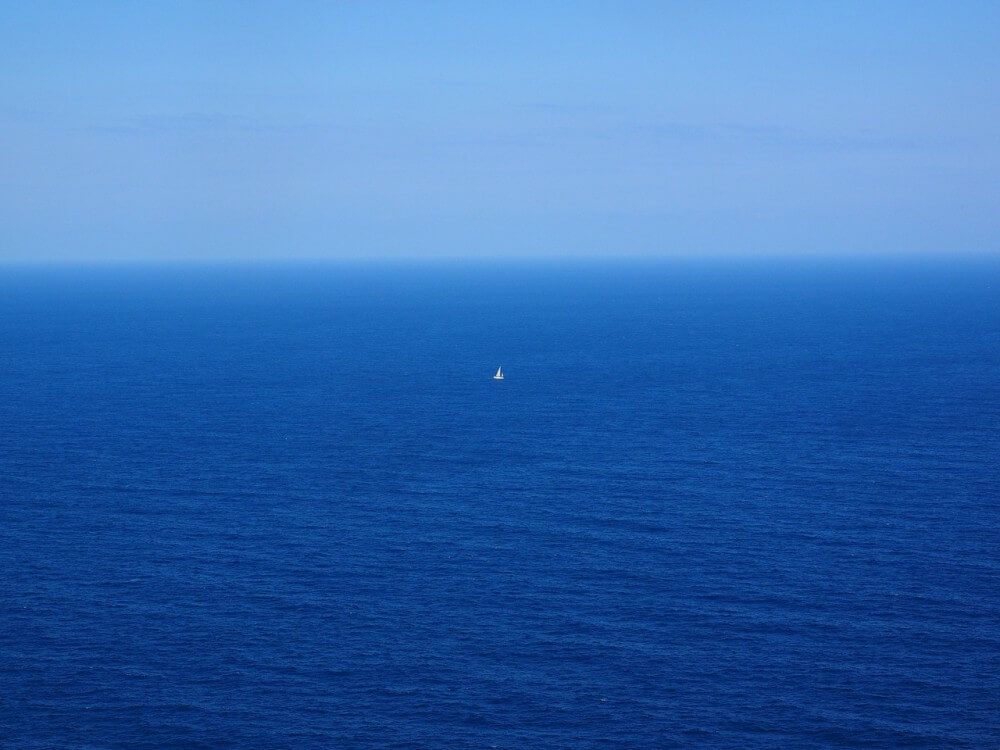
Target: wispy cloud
pixel 779 136
pixel 568 108
pixel 608 122
pixel 25 114
pixel 184 122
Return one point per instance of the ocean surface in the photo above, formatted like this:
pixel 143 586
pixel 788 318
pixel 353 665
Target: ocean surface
pixel 714 505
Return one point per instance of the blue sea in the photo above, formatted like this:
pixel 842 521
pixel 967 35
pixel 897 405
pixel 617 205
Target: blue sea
pixel 714 504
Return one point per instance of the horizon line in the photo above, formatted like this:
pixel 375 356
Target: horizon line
pixel 493 259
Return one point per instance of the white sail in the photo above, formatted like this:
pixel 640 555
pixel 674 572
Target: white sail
pixel 499 375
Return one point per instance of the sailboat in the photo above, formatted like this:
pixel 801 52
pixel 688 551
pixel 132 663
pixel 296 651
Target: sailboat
pixel 499 375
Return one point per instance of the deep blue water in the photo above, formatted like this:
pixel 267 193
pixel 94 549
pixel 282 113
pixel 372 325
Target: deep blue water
pixel 734 505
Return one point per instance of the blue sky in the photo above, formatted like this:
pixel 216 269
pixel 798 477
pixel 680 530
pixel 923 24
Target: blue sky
pixel 370 129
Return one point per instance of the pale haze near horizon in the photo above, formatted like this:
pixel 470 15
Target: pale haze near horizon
pixel 225 130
